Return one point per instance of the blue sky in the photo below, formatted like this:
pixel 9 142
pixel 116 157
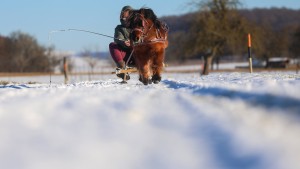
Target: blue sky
pixel 39 17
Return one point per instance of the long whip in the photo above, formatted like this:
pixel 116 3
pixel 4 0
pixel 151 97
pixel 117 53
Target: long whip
pixel 96 33
pixel 82 30
pixel 78 30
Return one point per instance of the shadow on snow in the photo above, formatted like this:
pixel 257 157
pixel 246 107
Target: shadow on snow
pixel 266 100
pixel 14 86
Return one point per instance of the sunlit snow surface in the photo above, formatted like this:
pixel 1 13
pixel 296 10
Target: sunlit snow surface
pixel 219 121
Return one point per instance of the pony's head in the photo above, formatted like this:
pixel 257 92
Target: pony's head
pixel 141 21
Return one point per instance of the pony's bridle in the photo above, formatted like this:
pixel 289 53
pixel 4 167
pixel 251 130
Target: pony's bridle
pixel 145 32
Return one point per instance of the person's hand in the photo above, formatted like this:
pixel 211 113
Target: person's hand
pixel 127 43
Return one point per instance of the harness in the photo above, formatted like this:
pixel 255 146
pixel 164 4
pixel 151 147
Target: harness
pixel 159 38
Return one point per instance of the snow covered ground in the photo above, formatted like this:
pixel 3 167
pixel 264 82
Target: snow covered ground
pixel 219 121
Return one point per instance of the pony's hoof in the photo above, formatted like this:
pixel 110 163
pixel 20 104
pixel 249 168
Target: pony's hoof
pixel 156 79
pixel 147 81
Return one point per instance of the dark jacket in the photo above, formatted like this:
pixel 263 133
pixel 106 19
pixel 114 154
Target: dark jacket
pixel 121 35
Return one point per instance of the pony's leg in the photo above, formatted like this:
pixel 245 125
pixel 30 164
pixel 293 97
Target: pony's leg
pixel 145 76
pixel 138 66
pixel 158 67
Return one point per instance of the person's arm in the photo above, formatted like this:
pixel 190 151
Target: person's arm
pixel 120 38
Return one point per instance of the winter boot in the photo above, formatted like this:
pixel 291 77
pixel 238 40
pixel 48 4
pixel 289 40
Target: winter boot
pixel 121 65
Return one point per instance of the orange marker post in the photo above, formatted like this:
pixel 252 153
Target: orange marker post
pixel 249 53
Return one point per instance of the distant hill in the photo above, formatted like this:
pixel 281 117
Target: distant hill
pixel 180 22
pixel 277 18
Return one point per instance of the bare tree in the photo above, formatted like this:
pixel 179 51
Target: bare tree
pixel 90 59
pixel 5 64
pixel 54 59
pixel 295 47
pixel 295 43
pixel 24 45
pixel 218 25
pixel 27 55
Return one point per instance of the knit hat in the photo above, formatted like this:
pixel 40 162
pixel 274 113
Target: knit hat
pixel 126 8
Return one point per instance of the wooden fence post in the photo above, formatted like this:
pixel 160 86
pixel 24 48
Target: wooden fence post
pixel 66 70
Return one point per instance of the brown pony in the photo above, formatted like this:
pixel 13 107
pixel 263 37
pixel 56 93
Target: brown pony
pixel 149 41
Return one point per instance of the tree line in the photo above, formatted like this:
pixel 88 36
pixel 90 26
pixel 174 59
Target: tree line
pixel 20 52
pixel 219 28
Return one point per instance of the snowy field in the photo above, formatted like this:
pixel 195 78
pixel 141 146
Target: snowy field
pixel 220 121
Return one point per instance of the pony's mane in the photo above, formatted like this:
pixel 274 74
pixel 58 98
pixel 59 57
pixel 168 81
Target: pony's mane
pixel 148 14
